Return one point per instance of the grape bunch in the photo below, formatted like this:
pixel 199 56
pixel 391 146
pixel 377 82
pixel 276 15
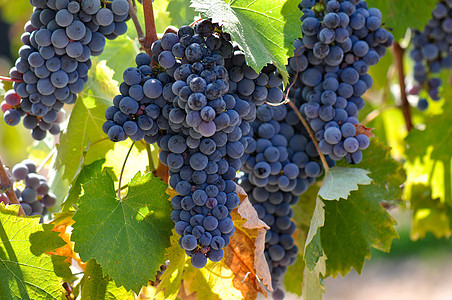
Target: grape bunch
pixel 137 111
pixel 199 115
pixel 54 60
pixel 205 142
pixel 31 189
pixel 431 53
pixel 341 39
pixel 279 164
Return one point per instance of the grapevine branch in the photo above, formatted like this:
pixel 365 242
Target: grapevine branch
pixel 6 185
pixel 398 56
pixel 149 21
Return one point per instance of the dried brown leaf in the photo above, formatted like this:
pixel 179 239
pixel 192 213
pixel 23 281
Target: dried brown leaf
pixel 245 253
pixel 361 129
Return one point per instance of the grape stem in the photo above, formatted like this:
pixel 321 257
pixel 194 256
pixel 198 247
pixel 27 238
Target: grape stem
pixel 375 113
pixel 5 184
pixel 398 56
pixel 311 134
pixel 46 160
pixel 136 22
pixel 149 21
pixel 3 78
pixel 303 121
pixel 151 166
pixel 122 170
pixel 194 22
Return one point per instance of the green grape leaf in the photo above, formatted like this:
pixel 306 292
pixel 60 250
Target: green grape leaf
pixel 354 225
pixel 85 124
pixel 403 14
pixel 428 215
pixel 271 26
pixel 344 230
pixel 180 12
pixel 118 293
pixel 93 284
pixel 435 136
pixel 303 212
pixel 340 181
pixel 120 54
pixel 313 287
pixel 388 174
pixel 128 237
pixel 313 245
pixel 171 279
pixel 83 176
pixel 46 241
pixel 429 165
pixel 27 273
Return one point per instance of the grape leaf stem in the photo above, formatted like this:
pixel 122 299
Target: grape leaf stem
pixel 151 165
pixel 311 134
pixel 47 159
pixel 3 78
pixel 6 184
pixel 302 119
pixel 122 170
pixel 398 56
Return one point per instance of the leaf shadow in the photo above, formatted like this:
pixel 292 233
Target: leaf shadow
pixel 45 241
pixel 48 241
pixel 13 267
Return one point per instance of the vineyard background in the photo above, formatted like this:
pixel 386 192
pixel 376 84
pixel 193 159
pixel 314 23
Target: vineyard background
pixel 414 269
